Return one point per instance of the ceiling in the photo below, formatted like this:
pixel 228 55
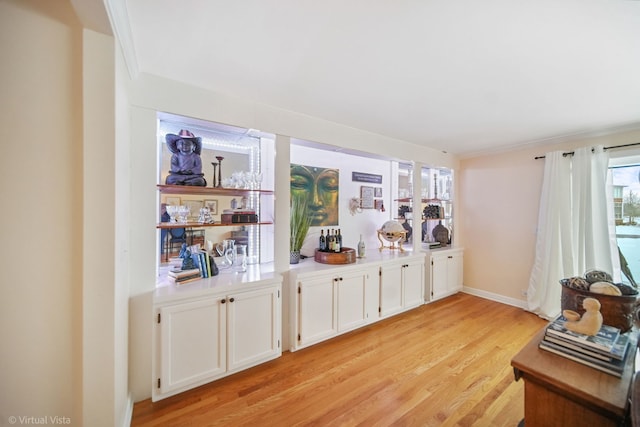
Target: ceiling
pixel 464 76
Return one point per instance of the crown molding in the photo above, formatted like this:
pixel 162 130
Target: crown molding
pixel 119 18
pixel 593 133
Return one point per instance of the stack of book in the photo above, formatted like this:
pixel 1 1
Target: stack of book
pixel 605 351
pixel 204 261
pixel 180 277
pixel 238 216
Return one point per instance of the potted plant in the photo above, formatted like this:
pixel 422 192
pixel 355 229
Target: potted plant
pixel 299 223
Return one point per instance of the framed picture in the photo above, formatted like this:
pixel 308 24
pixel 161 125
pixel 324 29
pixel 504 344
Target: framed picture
pixel 172 201
pixel 378 192
pixel 194 207
pixel 212 205
pixel 308 182
pixel 366 197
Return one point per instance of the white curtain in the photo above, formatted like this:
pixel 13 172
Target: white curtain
pixel 576 230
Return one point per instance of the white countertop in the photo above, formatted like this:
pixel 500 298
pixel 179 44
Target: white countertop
pixel 373 256
pixel 226 281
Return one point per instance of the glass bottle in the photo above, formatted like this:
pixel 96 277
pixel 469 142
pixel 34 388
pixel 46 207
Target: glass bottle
pixel 322 243
pixel 330 241
pixel 361 249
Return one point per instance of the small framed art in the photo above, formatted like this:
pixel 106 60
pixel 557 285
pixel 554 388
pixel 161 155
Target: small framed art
pixel 212 205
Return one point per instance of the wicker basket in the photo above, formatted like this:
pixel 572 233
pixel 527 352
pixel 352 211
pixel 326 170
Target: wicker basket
pixel 618 311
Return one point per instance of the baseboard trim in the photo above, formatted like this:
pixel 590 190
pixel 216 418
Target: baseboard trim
pixel 496 297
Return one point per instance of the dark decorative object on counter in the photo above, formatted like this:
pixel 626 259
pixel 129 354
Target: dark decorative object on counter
pixel 214 267
pixel 186 164
pixel 187 261
pixel 441 234
pixel 408 229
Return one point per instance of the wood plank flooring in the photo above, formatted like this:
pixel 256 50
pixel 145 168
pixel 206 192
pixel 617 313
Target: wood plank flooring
pixel 443 364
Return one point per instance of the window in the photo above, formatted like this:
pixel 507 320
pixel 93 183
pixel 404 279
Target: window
pixel 626 202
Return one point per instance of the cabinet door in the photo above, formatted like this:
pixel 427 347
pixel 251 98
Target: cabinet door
pixel 454 272
pixel 192 344
pixel 391 290
pixel 253 327
pixel 413 283
pixel 352 311
pixel 317 314
pixel 439 276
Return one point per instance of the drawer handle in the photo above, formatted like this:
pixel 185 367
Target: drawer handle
pixel 222 301
pixel 232 299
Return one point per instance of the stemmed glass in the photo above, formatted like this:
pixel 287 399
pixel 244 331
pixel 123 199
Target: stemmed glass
pixel 172 210
pixel 183 214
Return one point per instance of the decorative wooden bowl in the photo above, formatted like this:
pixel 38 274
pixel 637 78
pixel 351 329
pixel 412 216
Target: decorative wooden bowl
pixel 345 256
pixel 620 311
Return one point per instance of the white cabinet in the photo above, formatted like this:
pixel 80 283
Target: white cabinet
pixel 207 337
pixel 445 272
pixel 192 344
pixel 333 302
pixel 317 320
pixel 401 285
pixel 353 292
pixel 253 327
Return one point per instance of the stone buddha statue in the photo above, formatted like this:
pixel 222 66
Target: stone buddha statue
pixel 186 164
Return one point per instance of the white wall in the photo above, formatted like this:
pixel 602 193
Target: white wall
pixel 351 226
pixel 499 198
pixel 104 300
pixel 41 180
pixel 64 320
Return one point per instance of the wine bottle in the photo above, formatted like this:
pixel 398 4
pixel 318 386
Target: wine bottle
pixel 322 244
pixel 361 250
pixel 336 243
pixel 330 241
pixel 339 237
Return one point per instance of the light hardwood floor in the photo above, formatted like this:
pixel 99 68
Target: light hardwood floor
pixel 446 363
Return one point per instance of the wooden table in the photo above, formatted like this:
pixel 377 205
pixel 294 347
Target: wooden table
pixel 561 392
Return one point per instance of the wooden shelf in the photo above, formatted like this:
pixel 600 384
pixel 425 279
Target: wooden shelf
pixel 191 189
pixel 167 225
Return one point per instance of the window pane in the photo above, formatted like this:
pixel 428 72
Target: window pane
pixel 626 200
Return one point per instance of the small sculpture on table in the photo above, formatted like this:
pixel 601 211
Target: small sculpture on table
pixel 590 322
pixel 186 164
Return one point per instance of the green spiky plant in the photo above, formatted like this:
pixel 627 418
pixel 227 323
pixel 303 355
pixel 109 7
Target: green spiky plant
pixel 300 221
